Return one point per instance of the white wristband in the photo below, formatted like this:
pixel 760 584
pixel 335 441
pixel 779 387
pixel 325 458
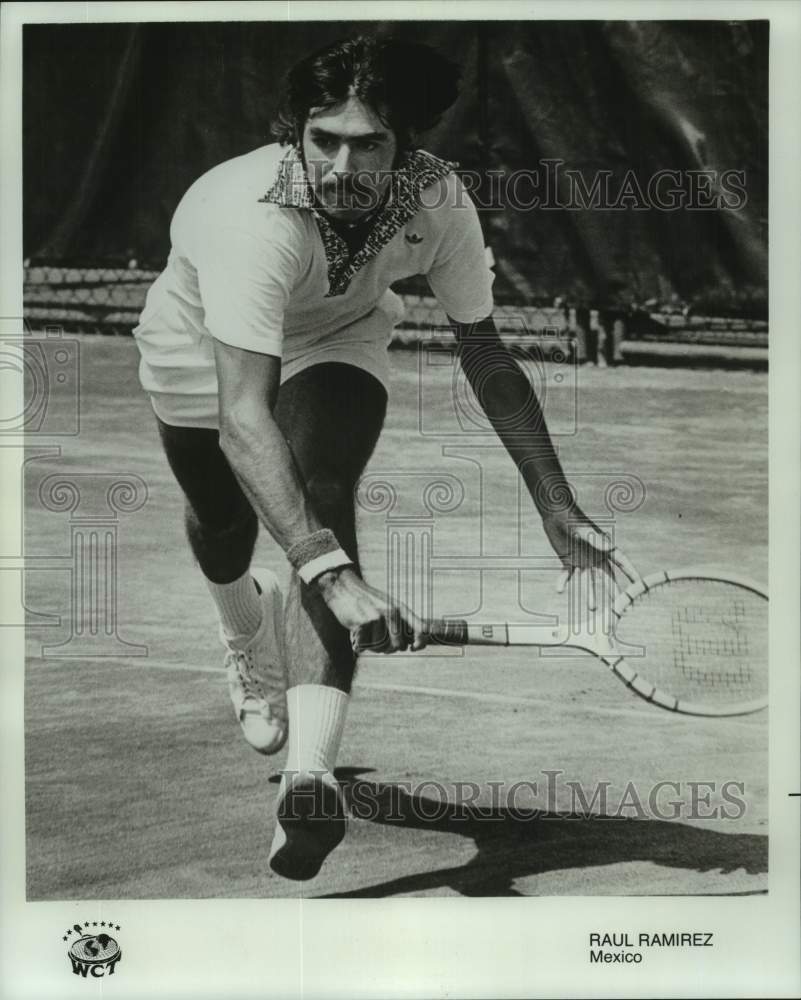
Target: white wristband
pixel 321 564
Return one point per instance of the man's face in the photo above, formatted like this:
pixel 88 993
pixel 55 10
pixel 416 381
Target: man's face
pixel 349 155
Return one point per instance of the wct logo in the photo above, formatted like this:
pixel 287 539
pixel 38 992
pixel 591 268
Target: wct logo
pixel 93 952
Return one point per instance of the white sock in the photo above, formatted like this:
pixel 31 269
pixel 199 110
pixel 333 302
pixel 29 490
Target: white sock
pixel 316 721
pixel 238 606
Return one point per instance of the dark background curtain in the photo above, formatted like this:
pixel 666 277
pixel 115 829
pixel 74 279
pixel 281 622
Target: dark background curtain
pixel 119 119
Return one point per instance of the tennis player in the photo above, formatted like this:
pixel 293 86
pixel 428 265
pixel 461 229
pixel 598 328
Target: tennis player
pixel 264 351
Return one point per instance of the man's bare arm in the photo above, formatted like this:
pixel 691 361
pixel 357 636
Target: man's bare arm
pixel 506 396
pixel 265 467
pixel 255 447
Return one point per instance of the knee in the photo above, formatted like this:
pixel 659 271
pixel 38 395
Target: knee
pixel 220 522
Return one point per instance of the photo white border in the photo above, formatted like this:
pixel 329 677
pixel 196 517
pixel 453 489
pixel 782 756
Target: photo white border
pixel 441 947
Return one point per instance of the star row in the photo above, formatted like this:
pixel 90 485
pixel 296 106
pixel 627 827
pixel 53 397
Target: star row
pixel 111 926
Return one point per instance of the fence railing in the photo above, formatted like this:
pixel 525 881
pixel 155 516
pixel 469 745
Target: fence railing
pixel 108 299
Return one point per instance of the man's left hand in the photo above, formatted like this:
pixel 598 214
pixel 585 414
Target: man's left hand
pixel 586 550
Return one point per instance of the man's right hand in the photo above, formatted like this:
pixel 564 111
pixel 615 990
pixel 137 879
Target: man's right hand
pixel 375 621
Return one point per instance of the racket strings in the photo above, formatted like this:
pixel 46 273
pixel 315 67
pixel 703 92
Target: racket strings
pixel 700 640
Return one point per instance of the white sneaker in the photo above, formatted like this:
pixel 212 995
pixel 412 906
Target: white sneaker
pixel 257 676
pixel 311 820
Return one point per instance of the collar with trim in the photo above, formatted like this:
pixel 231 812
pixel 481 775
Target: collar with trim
pixel 416 171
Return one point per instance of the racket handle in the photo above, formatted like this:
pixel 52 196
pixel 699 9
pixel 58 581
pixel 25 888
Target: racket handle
pixel 456 632
pixel 448 633
pixel 437 632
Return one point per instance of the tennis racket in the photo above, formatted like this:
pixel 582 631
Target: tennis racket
pixel 693 641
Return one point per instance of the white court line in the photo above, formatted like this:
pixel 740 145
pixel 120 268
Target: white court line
pixel 74 663
pixel 436 692
pixel 498 699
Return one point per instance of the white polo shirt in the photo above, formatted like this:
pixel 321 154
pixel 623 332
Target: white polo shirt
pixel 254 265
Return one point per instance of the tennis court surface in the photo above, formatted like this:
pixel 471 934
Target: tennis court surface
pixel 139 784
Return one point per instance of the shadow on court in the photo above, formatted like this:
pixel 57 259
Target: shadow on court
pixel 514 844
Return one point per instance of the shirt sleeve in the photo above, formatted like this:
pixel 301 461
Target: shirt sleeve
pixel 459 276
pixel 245 279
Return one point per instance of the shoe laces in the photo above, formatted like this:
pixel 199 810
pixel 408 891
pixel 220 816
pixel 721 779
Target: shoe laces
pixel 245 668
pixel 253 687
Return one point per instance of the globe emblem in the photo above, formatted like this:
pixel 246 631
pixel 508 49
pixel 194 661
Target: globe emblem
pixel 94 948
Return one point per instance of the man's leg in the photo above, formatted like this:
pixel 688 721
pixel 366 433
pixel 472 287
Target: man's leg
pixel 331 415
pixel 222 528
pixel 221 525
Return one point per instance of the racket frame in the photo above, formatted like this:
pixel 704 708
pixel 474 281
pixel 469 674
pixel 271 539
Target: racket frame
pixel 603 645
pixel 643 687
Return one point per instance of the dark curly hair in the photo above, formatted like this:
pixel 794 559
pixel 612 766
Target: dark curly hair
pixel 407 84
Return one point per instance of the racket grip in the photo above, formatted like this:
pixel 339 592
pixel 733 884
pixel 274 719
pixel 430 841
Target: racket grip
pixel 448 633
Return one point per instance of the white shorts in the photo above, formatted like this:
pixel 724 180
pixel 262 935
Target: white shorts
pixel 180 375
pixel 181 410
